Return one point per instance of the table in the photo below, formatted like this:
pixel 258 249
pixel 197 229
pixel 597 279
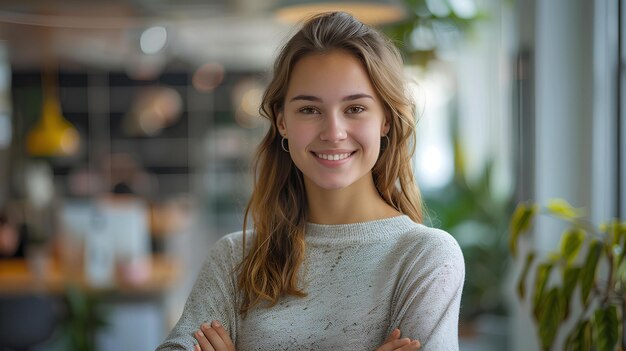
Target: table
pixel 17 277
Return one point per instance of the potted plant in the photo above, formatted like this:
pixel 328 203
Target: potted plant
pixel 590 259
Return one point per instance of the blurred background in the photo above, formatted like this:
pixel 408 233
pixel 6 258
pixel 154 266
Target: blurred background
pixel 127 128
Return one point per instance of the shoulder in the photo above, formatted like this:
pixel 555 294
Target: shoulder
pixel 229 248
pixel 232 240
pixel 431 248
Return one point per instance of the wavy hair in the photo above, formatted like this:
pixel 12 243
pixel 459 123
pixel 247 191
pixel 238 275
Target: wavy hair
pixel 278 206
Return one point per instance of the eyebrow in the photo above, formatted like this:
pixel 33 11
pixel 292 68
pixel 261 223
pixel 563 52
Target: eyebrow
pixel 317 99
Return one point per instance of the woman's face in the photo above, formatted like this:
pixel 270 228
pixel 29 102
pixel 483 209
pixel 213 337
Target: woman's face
pixel 333 120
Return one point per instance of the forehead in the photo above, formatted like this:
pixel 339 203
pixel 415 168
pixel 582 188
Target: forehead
pixel 334 72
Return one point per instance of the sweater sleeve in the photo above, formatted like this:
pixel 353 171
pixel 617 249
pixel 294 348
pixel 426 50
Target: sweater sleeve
pixel 429 294
pixel 213 297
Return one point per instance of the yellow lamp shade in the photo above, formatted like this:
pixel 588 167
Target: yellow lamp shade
pixel 53 135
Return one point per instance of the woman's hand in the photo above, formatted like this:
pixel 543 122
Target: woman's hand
pixel 394 343
pixel 213 338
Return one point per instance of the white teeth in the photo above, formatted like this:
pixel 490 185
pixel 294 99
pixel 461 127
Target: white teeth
pixel 335 157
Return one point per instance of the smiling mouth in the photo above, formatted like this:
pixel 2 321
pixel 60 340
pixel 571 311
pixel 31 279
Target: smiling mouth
pixel 334 157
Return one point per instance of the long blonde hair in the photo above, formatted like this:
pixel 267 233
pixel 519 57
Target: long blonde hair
pixel 278 206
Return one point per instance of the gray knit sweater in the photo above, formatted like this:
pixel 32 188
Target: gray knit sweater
pixel 362 280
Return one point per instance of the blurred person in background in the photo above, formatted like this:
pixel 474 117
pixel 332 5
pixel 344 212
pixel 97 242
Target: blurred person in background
pixel 128 177
pixel 11 241
pixel 338 258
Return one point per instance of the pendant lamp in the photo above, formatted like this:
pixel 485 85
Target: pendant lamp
pixel 372 12
pixel 52 135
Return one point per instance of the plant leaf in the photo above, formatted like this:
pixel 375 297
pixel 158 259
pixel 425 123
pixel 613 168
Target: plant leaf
pixel 521 284
pixel 621 272
pixel 551 316
pixel 614 232
pixel 520 222
pixel 622 240
pixel 563 209
pixel 571 242
pixel 570 278
pixel 606 328
pixel 588 272
pixel 541 279
pixel 580 338
pixel 554 257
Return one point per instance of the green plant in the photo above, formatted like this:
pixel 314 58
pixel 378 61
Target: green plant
pixel 589 259
pixel 84 318
pixel 430 27
pixel 478 220
pixel 474 218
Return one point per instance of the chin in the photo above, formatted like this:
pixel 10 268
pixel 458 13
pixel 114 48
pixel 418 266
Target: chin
pixel 332 184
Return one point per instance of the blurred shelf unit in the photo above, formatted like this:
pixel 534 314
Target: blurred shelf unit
pixel 204 148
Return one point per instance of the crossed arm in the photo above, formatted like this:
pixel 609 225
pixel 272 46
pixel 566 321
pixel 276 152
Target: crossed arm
pixel 213 337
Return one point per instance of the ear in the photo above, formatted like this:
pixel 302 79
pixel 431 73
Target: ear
pixel 280 123
pixel 386 124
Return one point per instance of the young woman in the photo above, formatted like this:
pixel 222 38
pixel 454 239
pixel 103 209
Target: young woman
pixel 338 258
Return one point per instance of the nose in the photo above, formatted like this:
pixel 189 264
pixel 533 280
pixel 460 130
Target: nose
pixel 333 128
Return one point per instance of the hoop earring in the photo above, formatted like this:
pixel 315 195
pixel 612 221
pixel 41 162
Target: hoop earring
pixel 386 145
pixel 282 144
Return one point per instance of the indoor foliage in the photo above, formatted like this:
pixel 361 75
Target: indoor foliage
pixel 478 220
pixel 590 260
pixel 85 316
pixel 432 26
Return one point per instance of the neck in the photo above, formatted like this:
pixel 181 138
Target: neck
pixel 360 202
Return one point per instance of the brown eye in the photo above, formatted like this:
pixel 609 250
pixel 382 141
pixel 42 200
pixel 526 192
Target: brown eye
pixel 308 110
pixel 355 109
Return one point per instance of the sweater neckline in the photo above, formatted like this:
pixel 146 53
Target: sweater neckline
pixel 360 232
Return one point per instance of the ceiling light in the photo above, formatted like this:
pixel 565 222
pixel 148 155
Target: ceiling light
pixel 153 40
pixel 372 12
pixel 52 135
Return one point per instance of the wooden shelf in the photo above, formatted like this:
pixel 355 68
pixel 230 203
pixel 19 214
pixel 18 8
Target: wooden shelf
pixel 17 278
